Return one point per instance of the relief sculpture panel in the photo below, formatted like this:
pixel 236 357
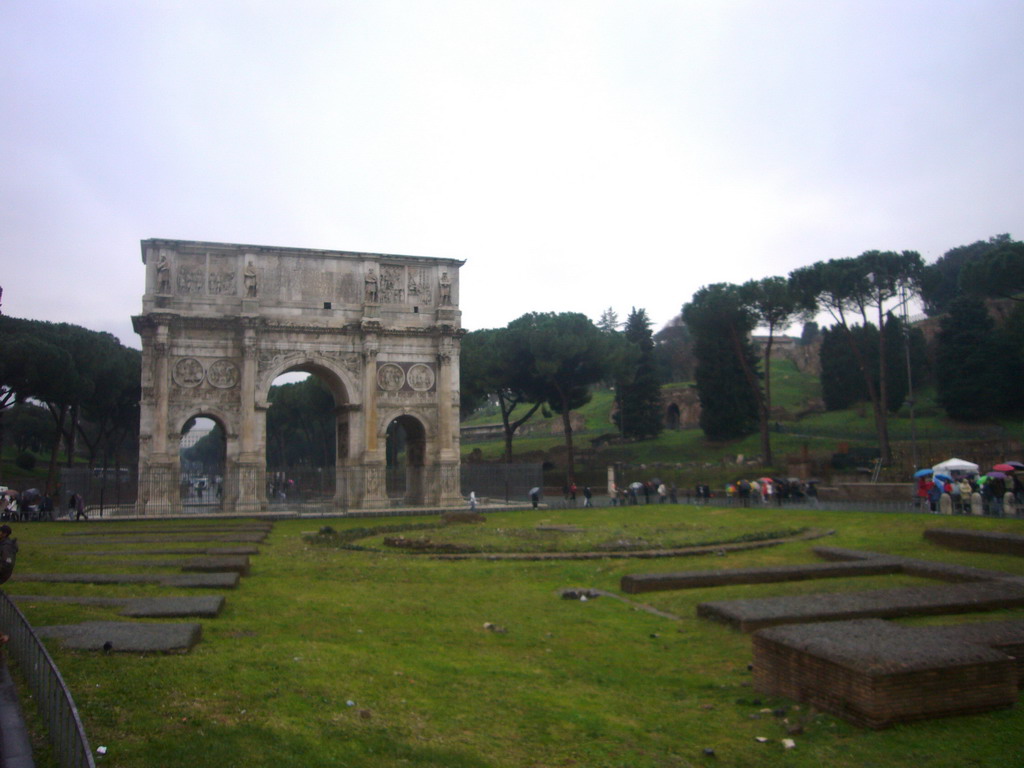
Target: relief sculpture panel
pixel 188 372
pixel 192 275
pixel 420 287
pixel 221 278
pixel 223 374
pixel 392 284
pixel 409 379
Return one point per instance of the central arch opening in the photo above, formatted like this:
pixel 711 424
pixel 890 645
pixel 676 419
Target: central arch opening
pixel 405 452
pixel 305 435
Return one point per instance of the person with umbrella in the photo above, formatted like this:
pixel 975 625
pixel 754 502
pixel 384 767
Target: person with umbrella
pixel 996 486
pixel 535 496
pixel 1013 483
pixel 924 478
pixel 935 492
pixel 633 488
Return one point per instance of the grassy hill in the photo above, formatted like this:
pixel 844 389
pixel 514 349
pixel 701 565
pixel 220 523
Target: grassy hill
pixel 691 457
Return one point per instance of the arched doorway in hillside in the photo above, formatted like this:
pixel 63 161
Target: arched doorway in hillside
pixel 405 452
pixel 202 462
pixel 672 416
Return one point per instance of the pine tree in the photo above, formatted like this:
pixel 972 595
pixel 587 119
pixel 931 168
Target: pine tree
pixel 640 396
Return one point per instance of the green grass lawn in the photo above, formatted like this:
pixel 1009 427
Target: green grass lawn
pixel 328 656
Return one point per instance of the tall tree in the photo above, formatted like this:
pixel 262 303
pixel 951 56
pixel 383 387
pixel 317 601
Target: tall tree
pixel 979 366
pixel 773 303
pixel 841 388
pixel 609 321
pixel 726 372
pixel 874 280
pixel 639 390
pixel 496 363
pixel 567 354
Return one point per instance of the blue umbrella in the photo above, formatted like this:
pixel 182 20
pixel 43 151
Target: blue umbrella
pixel 943 478
pixel 922 473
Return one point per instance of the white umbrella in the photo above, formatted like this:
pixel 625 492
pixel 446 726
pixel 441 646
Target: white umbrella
pixel 954 465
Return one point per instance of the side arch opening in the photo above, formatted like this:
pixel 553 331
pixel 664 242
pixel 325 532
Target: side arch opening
pixel 405 453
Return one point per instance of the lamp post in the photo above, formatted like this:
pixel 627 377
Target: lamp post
pixel 904 299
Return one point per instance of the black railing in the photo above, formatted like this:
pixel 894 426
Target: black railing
pixel 53 699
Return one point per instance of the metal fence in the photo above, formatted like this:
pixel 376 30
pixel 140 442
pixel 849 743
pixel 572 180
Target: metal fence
pixel 501 482
pixel 53 699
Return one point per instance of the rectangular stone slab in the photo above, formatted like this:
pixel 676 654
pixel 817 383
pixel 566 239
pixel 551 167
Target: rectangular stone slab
pixel 977 541
pixel 241 537
pixel 650 582
pixel 216 564
pixel 240 550
pixel 749 615
pixel 927 569
pixel 875 673
pixel 205 606
pixel 126 637
pixel 1004 636
pixel 100 530
pixel 202 580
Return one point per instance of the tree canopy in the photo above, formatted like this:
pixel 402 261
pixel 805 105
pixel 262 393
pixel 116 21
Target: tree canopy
pixel 88 382
pixel 566 355
pixel 721 324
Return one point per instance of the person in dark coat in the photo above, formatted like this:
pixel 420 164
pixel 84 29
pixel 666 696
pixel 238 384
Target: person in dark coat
pixel 8 553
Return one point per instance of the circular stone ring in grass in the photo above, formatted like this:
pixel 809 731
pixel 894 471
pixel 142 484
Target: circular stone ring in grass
pixel 546 543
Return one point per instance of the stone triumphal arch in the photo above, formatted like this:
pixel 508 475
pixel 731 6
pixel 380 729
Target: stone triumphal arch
pixel 221 321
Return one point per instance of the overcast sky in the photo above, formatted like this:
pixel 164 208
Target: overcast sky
pixel 578 155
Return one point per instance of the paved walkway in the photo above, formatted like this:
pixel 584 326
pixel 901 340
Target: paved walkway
pixel 15 747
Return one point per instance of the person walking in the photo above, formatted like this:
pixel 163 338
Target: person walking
pixel 587 496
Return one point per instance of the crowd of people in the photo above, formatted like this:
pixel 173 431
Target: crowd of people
pixel 971 492
pixel 763 491
pixel 768 490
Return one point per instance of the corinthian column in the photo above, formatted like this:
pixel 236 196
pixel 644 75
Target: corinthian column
pixel 250 464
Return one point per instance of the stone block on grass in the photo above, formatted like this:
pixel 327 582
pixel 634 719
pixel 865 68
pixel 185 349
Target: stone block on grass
pixel 752 614
pixel 651 582
pixel 126 637
pixel 875 674
pixel 218 564
pixel 992 542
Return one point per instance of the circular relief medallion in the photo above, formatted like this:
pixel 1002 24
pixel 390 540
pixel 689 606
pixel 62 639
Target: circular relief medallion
pixel 188 372
pixel 223 374
pixel 390 377
pixel 420 377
